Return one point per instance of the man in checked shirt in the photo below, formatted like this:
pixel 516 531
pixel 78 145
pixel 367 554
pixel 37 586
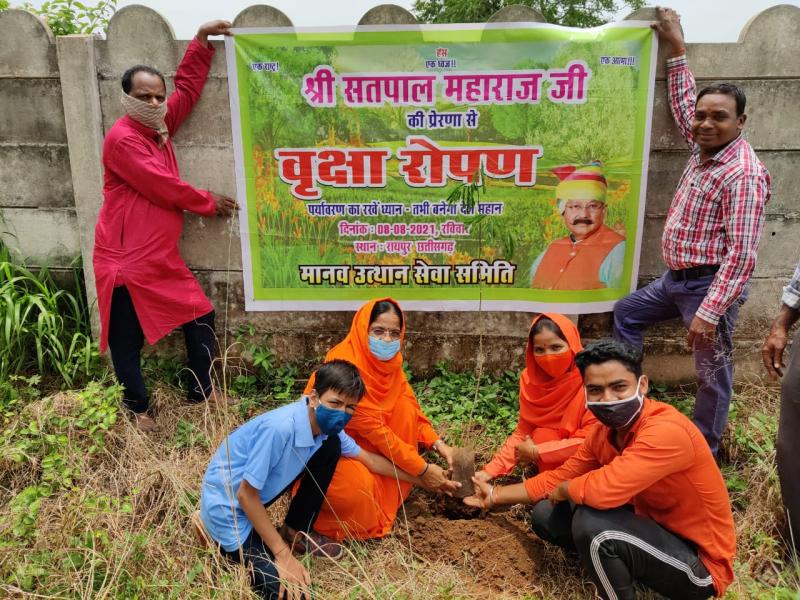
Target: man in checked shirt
pixel 711 234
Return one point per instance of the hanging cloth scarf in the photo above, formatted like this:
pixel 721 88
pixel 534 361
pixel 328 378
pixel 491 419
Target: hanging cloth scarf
pixel 148 115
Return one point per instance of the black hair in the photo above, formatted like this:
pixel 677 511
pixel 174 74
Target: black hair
pixel 728 89
pixel 607 350
pixel 385 306
pixel 340 376
pixel 127 76
pixel 547 324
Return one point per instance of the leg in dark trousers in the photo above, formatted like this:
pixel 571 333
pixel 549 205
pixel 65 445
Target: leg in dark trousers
pixel 200 343
pixel 666 299
pixel 713 362
pixel 305 506
pixel 553 523
pixel 621 549
pixel 303 512
pixel 635 313
pixel 788 447
pixel 125 339
pixel 261 564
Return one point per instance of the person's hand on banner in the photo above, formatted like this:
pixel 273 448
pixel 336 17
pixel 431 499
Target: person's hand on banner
pixel 218 27
pixel 668 27
pixel 225 205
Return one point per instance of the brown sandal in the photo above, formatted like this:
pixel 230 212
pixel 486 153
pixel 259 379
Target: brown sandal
pixel 312 543
pixel 145 423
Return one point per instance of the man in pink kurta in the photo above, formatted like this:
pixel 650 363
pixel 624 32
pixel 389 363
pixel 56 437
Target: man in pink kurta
pixel 144 288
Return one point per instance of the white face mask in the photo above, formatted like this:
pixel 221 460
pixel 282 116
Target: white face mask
pixel 618 414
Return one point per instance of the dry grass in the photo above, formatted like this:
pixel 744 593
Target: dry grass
pixel 120 529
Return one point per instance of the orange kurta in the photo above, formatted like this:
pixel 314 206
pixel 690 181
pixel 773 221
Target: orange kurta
pixel 552 411
pixel 666 470
pixel 568 265
pixel 387 421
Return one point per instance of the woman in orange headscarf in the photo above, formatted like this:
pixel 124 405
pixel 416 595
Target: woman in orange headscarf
pixel 553 420
pixel 388 420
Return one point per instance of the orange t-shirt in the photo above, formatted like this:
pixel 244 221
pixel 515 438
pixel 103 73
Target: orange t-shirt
pixel 666 471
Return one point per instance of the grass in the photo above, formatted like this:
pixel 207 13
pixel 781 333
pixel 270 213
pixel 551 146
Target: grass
pixel 91 508
pixel 43 328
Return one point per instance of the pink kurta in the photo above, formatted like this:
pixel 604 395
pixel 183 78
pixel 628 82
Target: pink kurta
pixel 141 220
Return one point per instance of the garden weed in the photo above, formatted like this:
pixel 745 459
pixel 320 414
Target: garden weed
pixel 43 329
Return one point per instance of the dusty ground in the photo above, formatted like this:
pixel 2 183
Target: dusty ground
pixel 496 550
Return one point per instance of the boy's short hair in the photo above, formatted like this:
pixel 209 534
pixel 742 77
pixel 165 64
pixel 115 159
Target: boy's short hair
pixel 607 350
pixel 340 376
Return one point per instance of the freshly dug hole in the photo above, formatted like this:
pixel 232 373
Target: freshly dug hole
pixel 496 549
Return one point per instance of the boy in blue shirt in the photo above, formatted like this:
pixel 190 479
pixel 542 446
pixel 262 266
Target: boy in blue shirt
pixel 260 460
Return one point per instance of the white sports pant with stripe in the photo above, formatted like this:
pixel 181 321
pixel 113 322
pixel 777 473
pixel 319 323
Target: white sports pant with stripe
pixel 620 549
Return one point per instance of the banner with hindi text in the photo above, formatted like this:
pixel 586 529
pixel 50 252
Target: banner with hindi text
pixel 500 167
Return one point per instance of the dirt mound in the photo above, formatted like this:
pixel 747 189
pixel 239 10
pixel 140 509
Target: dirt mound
pixel 498 549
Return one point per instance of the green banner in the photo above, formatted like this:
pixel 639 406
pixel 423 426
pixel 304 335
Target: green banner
pixel 450 167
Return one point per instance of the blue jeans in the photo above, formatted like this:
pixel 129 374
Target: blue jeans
pixel 667 299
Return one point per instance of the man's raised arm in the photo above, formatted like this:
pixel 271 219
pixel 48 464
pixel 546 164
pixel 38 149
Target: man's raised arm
pixel 680 81
pixel 190 78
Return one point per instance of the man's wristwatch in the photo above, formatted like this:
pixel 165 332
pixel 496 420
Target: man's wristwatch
pixel 435 445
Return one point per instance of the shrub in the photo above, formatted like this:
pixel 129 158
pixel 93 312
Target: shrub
pixel 43 328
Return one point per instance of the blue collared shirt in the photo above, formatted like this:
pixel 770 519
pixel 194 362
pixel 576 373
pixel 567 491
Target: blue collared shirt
pixel 269 452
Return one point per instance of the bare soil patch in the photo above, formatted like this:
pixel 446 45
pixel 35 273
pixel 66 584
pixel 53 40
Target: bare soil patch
pixel 497 550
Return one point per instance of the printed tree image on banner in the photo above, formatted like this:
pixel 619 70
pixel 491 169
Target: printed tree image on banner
pixel 500 167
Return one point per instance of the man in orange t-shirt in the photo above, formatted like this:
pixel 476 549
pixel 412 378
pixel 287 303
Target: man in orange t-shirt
pixel 592 255
pixel 642 500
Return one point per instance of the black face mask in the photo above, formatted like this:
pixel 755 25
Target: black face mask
pixel 618 413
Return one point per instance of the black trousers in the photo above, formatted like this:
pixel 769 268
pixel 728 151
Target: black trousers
pixel 620 549
pixel 303 512
pixel 126 338
pixel 788 446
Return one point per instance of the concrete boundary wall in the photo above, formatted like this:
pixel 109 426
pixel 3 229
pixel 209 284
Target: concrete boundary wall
pixel 58 97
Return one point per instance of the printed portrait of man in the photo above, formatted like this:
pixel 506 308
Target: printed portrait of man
pixel 592 255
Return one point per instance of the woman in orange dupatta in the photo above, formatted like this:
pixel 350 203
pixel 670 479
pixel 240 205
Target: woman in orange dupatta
pixel 553 420
pixel 388 421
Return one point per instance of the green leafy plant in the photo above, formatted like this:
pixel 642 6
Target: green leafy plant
pixel 462 401
pixel 491 232
pixel 572 13
pixel 188 435
pixel 69 17
pixel 47 442
pixel 260 374
pixel 43 327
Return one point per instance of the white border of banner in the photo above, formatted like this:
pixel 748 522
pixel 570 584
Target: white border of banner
pixel 252 305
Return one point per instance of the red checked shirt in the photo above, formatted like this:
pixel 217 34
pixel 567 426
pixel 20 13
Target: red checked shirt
pixel 717 214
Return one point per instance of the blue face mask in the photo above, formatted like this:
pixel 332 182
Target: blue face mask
pixel 383 350
pixel 331 421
